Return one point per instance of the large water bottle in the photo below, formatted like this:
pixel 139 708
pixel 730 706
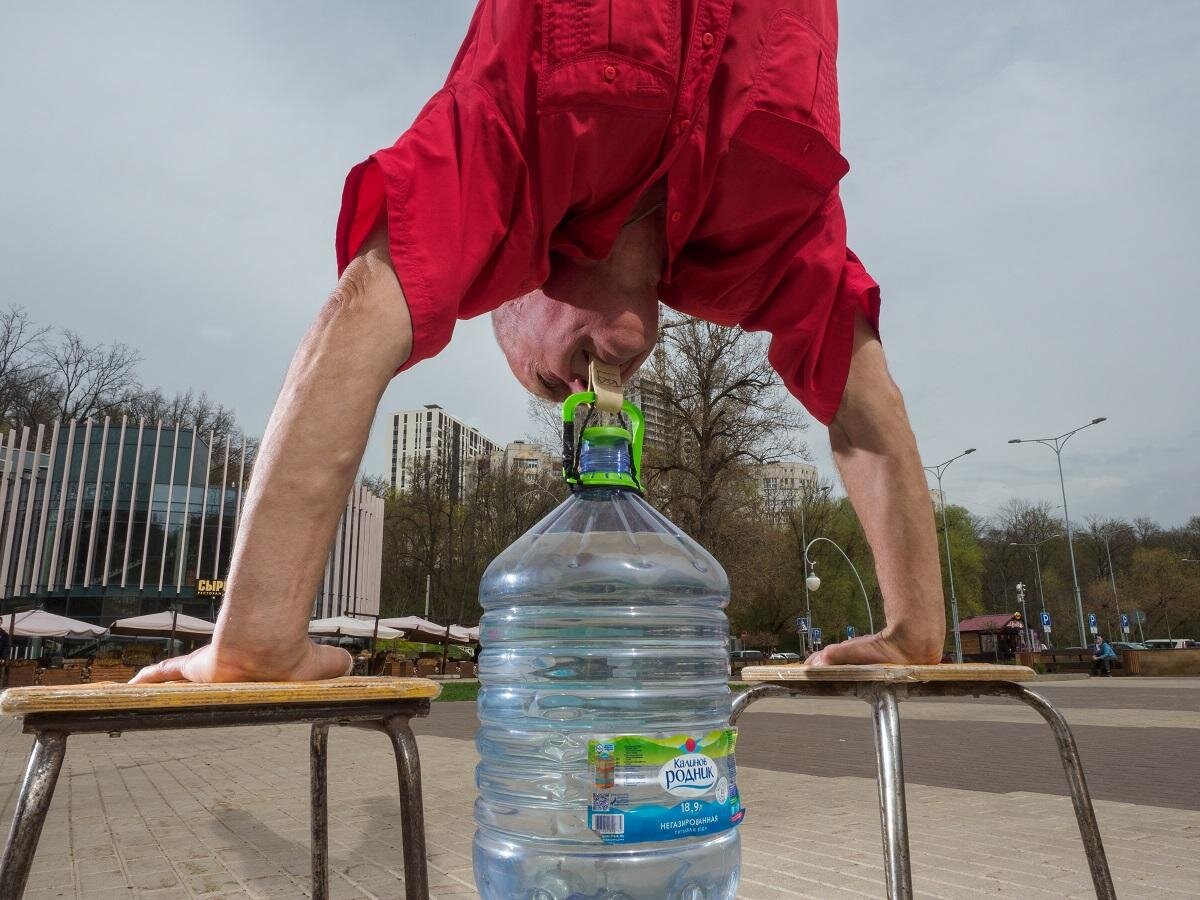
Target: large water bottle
pixel 606 759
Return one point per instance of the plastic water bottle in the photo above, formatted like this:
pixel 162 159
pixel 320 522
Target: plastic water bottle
pixel 606 759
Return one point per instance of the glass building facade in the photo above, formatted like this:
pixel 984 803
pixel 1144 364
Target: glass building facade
pixel 100 520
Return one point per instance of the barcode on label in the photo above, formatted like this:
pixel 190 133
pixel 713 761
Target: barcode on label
pixel 613 823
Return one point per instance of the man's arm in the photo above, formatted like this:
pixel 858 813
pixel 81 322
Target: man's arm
pixel 301 479
pixel 876 453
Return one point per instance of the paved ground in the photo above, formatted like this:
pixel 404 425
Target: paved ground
pixel 223 813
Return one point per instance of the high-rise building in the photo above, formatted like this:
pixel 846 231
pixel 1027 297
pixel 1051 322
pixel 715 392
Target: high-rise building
pixel 782 485
pixel 530 461
pixel 649 395
pixel 451 449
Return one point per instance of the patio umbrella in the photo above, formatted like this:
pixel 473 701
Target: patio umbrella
pixel 429 632
pixel 163 624
pixel 348 626
pixel 37 623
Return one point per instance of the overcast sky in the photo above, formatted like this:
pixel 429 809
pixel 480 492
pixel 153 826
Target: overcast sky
pixel 1024 185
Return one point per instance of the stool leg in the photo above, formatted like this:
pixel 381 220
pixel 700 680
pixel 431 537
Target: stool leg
pixel 408 770
pixel 892 812
pixel 319 746
pixel 1089 830
pixel 37 790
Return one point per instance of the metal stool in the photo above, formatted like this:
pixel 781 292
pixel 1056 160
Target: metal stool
pixel 380 704
pixel 883 686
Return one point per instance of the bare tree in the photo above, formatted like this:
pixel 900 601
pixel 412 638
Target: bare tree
pixel 187 408
pixel 724 411
pixel 19 371
pixel 89 379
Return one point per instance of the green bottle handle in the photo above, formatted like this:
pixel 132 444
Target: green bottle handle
pixel 568 416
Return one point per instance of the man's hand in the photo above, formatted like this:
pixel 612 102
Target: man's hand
pixel 877 456
pixel 307 463
pixel 311 662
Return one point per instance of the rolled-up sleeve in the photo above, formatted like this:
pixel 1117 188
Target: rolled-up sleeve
pixel 811 311
pixel 455 195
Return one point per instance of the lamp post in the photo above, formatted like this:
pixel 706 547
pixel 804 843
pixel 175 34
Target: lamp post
pixel 1106 535
pixel 937 473
pixel 1056 444
pixel 1024 613
pixel 1037 565
pixel 807 593
pixel 812 582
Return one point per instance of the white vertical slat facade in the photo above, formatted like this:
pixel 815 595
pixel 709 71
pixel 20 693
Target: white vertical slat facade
pixel 84 518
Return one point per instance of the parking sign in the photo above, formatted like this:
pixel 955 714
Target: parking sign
pixel 1092 624
pixel 1125 622
pixel 816 635
pixel 1045 621
pixel 850 632
pixel 801 623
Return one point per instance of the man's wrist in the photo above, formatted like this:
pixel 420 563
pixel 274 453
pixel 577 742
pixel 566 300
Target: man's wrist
pixel 917 642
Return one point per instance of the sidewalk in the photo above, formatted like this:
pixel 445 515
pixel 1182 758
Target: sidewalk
pixel 223 813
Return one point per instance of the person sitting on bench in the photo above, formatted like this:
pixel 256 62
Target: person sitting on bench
pixel 1102 657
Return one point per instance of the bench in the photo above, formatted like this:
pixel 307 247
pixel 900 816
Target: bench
pixel 51 714
pixel 883 687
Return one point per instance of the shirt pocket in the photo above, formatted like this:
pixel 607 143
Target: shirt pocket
pixel 796 76
pixel 608 53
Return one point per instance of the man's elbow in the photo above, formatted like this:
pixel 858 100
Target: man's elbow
pixel 367 313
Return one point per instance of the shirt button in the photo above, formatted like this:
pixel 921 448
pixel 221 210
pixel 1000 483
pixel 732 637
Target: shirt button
pixel 707 39
pixel 610 73
pixel 676 216
pixel 683 125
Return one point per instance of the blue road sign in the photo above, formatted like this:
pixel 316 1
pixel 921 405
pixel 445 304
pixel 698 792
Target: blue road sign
pixel 1125 621
pixel 1045 619
pixel 850 632
pixel 1091 620
pixel 816 635
pixel 801 623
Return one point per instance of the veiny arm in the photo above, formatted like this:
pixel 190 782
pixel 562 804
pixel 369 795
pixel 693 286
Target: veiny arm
pixel 306 466
pixel 876 453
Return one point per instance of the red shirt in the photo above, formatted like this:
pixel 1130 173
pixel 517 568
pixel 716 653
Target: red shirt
pixel 558 114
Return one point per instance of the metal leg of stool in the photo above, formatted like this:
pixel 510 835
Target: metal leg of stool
pixel 1089 830
pixel 412 812
pixel 37 790
pixel 893 815
pixel 319 811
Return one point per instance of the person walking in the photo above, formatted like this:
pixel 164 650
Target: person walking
pixel 1102 657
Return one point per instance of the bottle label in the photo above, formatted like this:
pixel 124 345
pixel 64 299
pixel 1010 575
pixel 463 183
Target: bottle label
pixel 661 788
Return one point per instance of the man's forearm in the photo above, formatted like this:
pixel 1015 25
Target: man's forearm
pixel 310 455
pixel 876 454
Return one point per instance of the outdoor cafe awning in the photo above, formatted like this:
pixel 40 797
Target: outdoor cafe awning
pixel 163 624
pixel 37 623
pixel 418 629
pixel 349 626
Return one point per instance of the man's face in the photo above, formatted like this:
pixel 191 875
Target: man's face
pixel 607 310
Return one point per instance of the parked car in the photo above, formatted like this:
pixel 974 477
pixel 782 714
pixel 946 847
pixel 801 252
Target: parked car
pixel 1168 644
pixel 1127 645
pixel 786 657
pixel 739 659
pixel 747 656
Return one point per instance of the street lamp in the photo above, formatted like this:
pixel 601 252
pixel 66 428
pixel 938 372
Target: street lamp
pixel 1106 535
pixel 812 582
pixel 1056 444
pixel 1037 565
pixel 937 472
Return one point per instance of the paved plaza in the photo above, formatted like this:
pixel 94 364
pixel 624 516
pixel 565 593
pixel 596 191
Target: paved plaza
pixel 224 812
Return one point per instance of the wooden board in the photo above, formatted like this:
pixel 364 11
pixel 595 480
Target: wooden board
pixel 890 672
pixel 104 696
